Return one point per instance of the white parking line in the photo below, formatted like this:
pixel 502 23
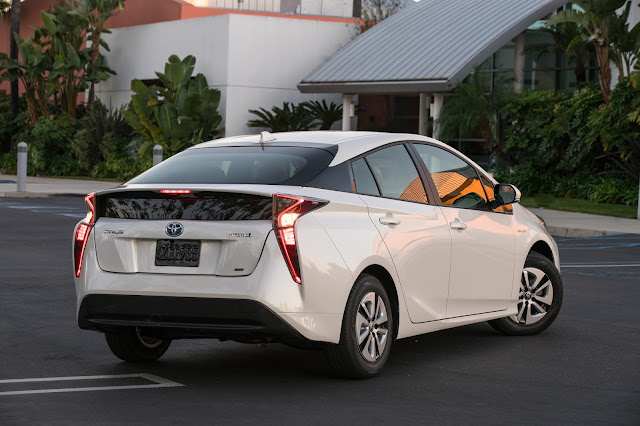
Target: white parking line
pixel 621 265
pixel 158 382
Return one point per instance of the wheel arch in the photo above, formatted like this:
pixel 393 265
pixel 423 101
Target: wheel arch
pixel 381 273
pixel 544 249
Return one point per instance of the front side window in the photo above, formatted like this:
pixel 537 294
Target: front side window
pixel 457 182
pixel 396 175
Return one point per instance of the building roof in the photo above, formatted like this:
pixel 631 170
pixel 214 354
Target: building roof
pixel 427 47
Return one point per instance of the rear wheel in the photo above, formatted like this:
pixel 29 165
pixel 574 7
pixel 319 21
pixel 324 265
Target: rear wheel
pixel 132 346
pixel 367 331
pixel 539 300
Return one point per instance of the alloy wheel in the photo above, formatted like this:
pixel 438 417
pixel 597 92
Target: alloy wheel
pixel 372 326
pixel 535 296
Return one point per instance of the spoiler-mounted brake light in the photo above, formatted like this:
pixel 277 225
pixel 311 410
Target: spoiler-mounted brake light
pixel 175 191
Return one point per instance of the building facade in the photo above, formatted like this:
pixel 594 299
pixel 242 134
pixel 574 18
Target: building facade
pixel 343 8
pixel 254 60
pixel 401 71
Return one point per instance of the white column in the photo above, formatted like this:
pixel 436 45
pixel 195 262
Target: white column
pixel 423 117
pixel 22 167
pixel 157 155
pixel 346 111
pixel 438 100
pixel 518 64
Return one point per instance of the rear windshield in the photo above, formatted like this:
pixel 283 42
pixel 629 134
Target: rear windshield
pixel 273 165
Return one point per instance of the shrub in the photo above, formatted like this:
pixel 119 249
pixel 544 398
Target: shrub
pixel 547 131
pixel 290 117
pixel 103 133
pixel 527 179
pixel 180 112
pixel 10 125
pixel 50 151
pixel 611 190
pixel 620 136
pixel 571 145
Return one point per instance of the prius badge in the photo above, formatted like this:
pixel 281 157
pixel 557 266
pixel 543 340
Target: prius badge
pixel 174 229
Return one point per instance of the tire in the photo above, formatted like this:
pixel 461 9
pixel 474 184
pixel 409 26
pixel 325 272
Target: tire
pixel 129 345
pixel 540 299
pixel 368 318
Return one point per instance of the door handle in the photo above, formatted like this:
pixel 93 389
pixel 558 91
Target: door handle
pixel 389 220
pixel 457 225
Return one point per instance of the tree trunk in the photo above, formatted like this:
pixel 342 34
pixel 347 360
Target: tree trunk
pixel 580 72
pixel 604 73
pixel 487 135
pixel 13 52
pixel 95 53
pixel 32 103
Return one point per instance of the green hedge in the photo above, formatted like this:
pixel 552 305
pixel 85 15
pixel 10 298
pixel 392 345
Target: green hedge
pixel 574 145
pixel 99 144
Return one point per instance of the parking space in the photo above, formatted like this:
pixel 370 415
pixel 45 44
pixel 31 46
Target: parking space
pixel 584 369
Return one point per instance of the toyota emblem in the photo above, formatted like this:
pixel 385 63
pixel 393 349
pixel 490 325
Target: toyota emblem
pixel 174 229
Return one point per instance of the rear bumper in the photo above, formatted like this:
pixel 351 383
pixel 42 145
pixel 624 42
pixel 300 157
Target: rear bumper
pixel 314 310
pixel 186 317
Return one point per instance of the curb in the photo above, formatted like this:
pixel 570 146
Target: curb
pixel 578 232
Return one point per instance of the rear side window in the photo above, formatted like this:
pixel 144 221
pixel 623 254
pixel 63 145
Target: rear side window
pixel 240 165
pixel 396 175
pixel 365 184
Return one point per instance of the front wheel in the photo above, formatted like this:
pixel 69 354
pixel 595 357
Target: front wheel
pixel 539 300
pixel 367 331
pixel 132 346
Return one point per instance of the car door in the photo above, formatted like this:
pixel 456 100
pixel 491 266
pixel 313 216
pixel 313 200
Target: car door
pixel 482 251
pixel 415 232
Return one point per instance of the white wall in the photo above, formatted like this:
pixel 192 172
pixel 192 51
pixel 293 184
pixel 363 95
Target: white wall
pixel 255 61
pixel 306 7
pixel 269 56
pixel 138 52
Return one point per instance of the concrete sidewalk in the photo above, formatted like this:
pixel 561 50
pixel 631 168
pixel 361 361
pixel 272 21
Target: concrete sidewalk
pixel 570 224
pixel 51 187
pixel 563 224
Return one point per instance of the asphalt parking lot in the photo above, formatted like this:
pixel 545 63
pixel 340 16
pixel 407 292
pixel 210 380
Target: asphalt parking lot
pixel 584 369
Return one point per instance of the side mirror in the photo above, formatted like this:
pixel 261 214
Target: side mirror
pixel 506 193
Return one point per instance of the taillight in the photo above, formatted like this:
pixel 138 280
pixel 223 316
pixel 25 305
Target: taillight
pixel 287 209
pixel 83 231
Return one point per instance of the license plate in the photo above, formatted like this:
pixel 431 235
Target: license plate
pixel 178 253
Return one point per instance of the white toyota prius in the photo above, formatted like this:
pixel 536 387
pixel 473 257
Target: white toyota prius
pixel 344 241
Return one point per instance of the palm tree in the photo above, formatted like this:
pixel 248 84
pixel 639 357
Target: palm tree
pixel 625 43
pixel 473 108
pixel 597 18
pixel 13 51
pixel 289 118
pixel 570 40
pixel 327 114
